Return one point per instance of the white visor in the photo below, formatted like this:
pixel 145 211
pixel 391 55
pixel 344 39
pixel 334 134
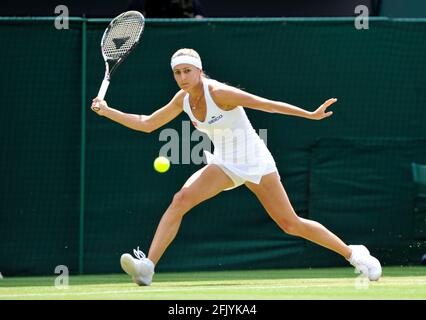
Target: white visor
pixel 186 60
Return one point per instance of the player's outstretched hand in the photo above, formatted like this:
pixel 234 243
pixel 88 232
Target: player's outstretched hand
pixel 321 113
pixel 99 106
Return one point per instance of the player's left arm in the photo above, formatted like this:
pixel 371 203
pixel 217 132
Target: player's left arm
pixel 231 97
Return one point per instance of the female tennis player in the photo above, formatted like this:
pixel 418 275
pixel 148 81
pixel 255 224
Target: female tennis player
pixel 218 110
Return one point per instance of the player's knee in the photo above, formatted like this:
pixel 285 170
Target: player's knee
pixel 183 199
pixel 292 227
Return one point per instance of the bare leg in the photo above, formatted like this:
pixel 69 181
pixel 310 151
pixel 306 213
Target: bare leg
pixel 274 199
pixel 202 185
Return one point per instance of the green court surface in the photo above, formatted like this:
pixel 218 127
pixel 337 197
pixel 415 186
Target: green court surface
pixel 399 283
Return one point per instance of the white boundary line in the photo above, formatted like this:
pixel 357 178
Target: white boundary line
pixel 149 290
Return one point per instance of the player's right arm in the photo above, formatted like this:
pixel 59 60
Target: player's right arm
pixel 143 123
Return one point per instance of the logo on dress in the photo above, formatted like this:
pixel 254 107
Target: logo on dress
pixel 214 119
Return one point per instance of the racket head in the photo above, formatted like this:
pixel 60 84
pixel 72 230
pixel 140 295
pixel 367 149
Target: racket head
pixel 121 37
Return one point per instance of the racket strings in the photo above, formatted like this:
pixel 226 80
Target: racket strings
pixel 122 35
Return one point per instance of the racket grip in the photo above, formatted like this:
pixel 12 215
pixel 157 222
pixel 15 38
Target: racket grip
pixel 103 89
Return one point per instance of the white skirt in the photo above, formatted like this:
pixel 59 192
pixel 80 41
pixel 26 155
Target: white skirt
pixel 260 163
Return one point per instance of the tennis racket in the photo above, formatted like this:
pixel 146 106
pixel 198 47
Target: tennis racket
pixel 119 39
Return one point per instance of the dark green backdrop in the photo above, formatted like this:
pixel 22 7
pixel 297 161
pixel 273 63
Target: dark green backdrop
pixel 79 190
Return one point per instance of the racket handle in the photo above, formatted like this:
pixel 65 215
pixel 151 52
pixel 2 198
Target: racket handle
pixel 101 93
pixel 103 89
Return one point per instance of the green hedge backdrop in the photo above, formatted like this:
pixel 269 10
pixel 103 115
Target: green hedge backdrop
pixel 80 190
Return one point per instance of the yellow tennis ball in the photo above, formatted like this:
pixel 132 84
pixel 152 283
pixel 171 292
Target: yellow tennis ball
pixel 161 164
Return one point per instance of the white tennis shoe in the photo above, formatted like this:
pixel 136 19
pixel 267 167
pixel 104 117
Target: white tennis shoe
pixel 141 269
pixel 365 263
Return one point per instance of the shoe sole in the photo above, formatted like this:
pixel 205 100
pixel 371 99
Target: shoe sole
pixel 128 265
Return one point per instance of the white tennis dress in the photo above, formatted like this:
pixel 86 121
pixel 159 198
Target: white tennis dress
pixel 238 150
